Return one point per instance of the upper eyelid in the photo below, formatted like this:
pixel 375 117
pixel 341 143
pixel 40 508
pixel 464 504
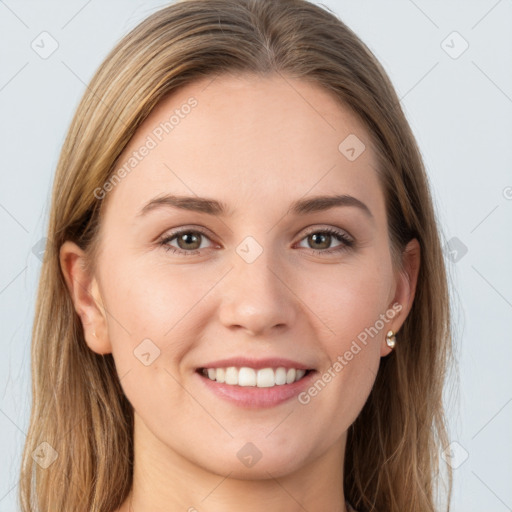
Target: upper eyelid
pixel 315 228
pixel 171 233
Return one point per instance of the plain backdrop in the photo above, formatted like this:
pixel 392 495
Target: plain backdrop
pixel 451 63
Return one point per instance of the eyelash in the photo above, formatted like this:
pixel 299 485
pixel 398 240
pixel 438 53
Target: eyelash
pixel 347 242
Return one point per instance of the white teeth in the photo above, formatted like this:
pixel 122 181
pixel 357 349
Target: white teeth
pixel 232 376
pixel 281 376
pixel 266 378
pixel 246 377
pixel 262 378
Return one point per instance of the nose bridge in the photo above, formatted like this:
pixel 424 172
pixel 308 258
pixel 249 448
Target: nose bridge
pixel 255 296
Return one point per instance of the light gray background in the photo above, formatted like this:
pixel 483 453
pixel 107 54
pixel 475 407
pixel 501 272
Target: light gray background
pixel 460 110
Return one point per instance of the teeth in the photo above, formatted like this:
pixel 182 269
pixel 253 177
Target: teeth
pixel 280 376
pixel 266 378
pixel 290 375
pixel 246 377
pixel 220 375
pixel 232 376
pixel 262 378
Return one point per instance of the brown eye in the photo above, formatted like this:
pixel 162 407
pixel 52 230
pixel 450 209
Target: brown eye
pixel 188 241
pixel 320 241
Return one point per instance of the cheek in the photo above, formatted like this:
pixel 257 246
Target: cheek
pixel 350 299
pixel 152 298
pixel 353 304
pixel 149 326
pixel 149 302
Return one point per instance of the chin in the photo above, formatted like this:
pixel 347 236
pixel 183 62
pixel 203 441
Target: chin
pixel 249 462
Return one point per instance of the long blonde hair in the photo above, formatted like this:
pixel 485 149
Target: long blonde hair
pixel 78 406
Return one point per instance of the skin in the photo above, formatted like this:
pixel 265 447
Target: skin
pixel 256 144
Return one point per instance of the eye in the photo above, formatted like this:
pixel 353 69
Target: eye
pixel 188 241
pixel 322 240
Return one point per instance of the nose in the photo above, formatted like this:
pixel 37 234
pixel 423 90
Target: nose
pixel 257 297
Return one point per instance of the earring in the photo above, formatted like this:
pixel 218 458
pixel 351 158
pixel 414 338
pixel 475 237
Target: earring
pixel 94 334
pixel 391 339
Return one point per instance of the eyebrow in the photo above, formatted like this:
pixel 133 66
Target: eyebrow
pixel 218 208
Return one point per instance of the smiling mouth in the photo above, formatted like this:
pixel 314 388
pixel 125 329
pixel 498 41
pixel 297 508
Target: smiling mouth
pixel 250 377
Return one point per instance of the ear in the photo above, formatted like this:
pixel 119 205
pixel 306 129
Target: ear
pixel 406 281
pixel 85 294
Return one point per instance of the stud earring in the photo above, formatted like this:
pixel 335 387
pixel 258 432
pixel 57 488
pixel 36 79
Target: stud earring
pixel 391 339
pixel 94 334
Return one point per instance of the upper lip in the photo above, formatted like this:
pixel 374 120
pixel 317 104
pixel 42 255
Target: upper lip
pixel 268 362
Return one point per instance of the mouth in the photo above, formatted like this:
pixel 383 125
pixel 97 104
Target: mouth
pixel 255 388
pixel 253 383
pixel 245 376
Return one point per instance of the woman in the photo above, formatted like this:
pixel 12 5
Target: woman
pixel 292 358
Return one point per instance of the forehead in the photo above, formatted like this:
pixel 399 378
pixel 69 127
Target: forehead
pixel 248 140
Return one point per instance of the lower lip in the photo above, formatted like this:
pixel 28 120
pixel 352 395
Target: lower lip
pixel 253 397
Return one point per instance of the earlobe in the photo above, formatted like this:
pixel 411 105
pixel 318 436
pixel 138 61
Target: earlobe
pixel 84 292
pixel 405 291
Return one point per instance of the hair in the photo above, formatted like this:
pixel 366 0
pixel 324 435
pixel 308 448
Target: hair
pixel 78 405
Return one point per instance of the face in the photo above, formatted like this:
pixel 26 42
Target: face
pixel 263 275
